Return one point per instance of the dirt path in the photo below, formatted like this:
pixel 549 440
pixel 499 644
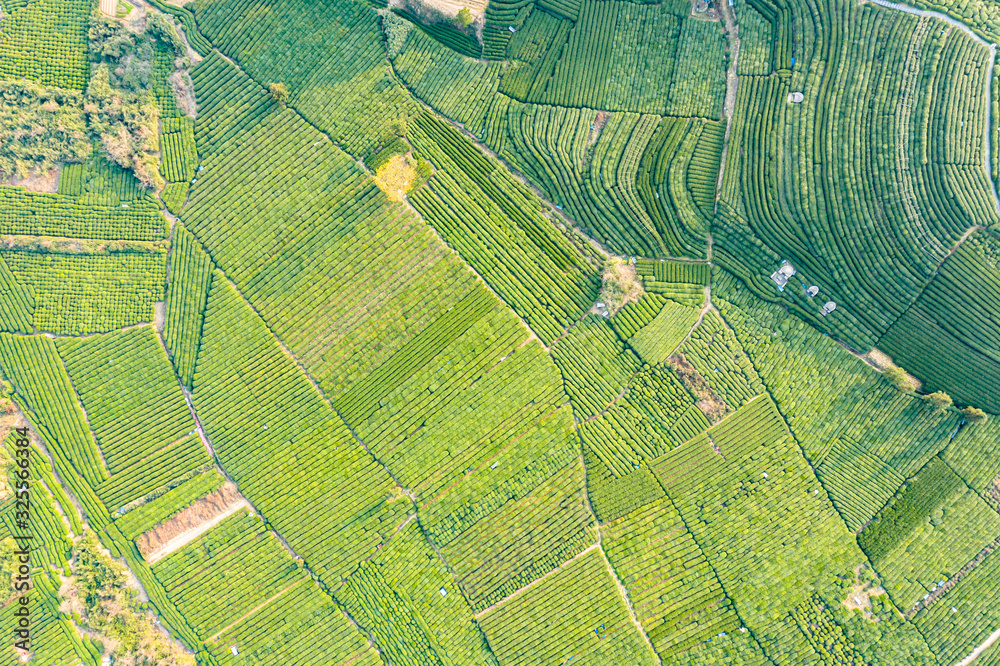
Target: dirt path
pixel 537 581
pixel 628 604
pixel 990 640
pixel 252 611
pixel 987 165
pixel 193 533
pixel 732 83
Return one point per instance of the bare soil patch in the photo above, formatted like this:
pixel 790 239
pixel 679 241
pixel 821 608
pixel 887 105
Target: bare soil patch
pixel 46 181
pixel 184 92
pixel 159 315
pixel 860 595
pixel 599 122
pixel 993 493
pixel 191 523
pixel 714 408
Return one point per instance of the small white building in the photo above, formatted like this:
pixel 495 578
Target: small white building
pixel 783 274
pixel 795 97
pixel 812 291
pixel 828 307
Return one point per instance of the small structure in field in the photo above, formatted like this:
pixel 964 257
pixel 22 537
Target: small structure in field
pixel 783 274
pixel 812 291
pixel 828 307
pixel 795 97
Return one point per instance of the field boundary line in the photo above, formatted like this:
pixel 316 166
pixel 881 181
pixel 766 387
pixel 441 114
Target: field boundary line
pixel 628 602
pixel 188 536
pixel 252 611
pixel 982 647
pixel 537 581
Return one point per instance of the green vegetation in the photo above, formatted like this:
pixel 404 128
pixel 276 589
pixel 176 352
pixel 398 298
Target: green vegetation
pixel 655 414
pixel 922 172
pixel 406 591
pixel 494 223
pixel 948 340
pixel 92 214
pixel 944 541
pixel 190 281
pixel 77 294
pixel 678 598
pixel 237 564
pixel 965 615
pixel 99 591
pixel 596 365
pixel 130 419
pixel 45 41
pixel 597 629
pixel 57 113
pixel 917 500
pixel 177 143
pixel 661 336
pixel 250 425
pixel 302 625
pixel 468 329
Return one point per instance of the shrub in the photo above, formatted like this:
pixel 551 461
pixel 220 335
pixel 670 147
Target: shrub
pixel 940 400
pixel 974 414
pixel 899 378
pixel 279 93
pixel 619 284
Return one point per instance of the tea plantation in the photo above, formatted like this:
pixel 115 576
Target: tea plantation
pixel 522 333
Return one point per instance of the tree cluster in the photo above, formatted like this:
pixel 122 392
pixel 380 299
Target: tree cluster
pixel 39 127
pixel 99 596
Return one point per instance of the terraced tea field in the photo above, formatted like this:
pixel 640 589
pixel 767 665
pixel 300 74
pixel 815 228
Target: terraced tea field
pixel 523 333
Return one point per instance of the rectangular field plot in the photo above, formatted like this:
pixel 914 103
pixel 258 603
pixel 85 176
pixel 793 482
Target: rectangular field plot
pixel 947 336
pixel 966 615
pixel 595 364
pixel 974 454
pixel 46 396
pixel 655 341
pixel 655 414
pixel 325 494
pixel 95 215
pixel 133 401
pixel 406 598
pixel 147 516
pixel 927 533
pixel 522 540
pixel 77 294
pixel 497 225
pixel 344 277
pixel 331 57
pixel 674 591
pixel 502 469
pixel 576 612
pixel 717 355
pixel 237 564
pixel 302 626
pixel 759 515
pixel 859 483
